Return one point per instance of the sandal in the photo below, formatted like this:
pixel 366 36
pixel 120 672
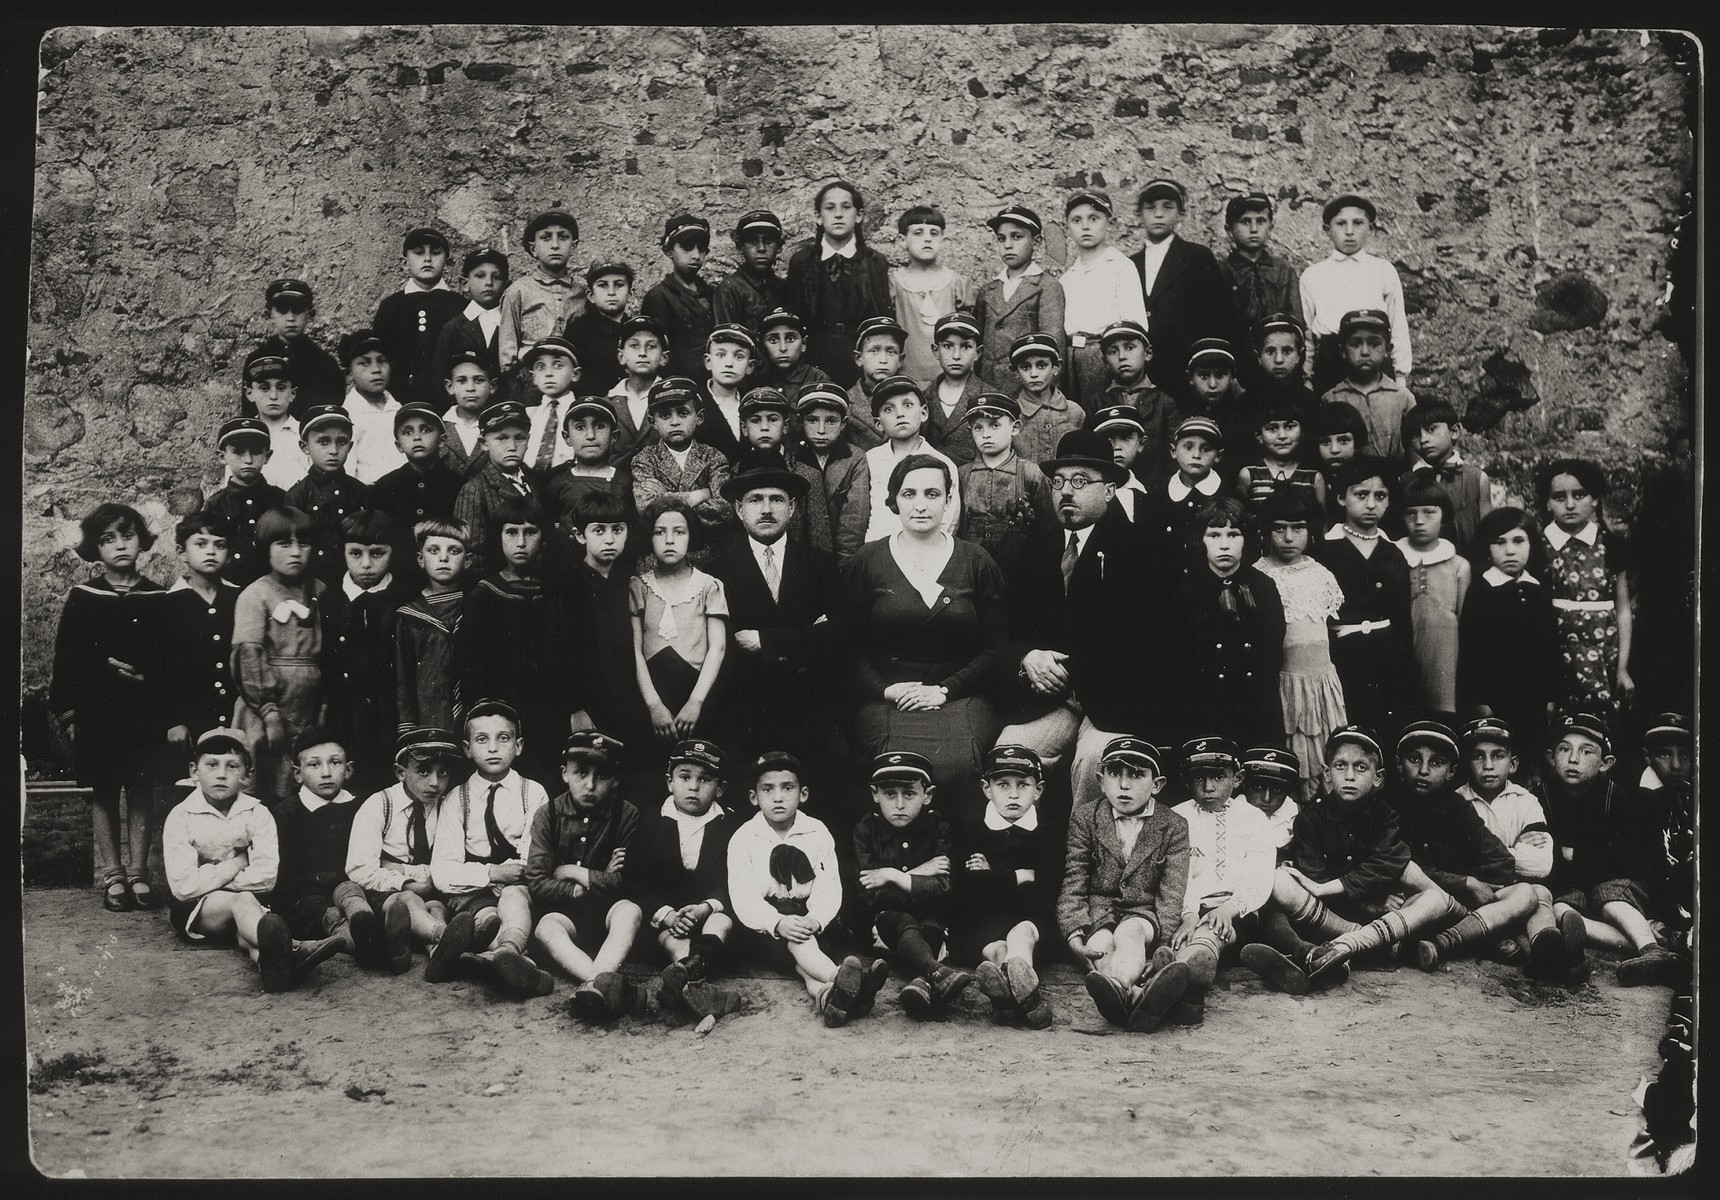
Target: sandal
pixel 117 898
pixel 142 895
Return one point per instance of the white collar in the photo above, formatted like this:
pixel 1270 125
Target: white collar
pixel 1418 463
pixel 1207 486
pixel 412 285
pixel 689 824
pixel 1134 485
pixel 312 801
pixel 353 591
pixel 1081 536
pixel 1140 816
pixel 1440 551
pixel 1495 577
pixel 513 781
pixel 828 249
pixel 1334 256
pixel 198 802
pixel 1156 251
pixel 1028 821
pixel 363 403
pixel 778 549
pixel 183 584
pixel 456 416
pixel 1557 537
pixel 1032 270
pixel 1649 782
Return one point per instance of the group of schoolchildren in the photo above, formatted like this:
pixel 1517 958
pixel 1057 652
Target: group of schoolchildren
pixel 420 600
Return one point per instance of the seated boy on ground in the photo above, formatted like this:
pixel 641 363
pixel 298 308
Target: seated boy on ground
pixel 312 829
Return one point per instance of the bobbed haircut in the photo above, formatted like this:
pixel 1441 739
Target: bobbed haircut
pixel 425 530
pixel 597 508
pixel 914 462
pixel 201 521
pixel 1334 417
pixel 105 516
pixel 1496 525
pixel 920 214
pixel 282 524
pixel 366 527
pixel 1292 504
pixel 668 504
pixel 1422 489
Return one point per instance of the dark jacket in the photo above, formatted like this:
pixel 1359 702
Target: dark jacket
pixel 742 299
pixel 714 430
pixel 409 324
pixel 1598 835
pixel 426 684
pixel 655 875
pixel 877 843
pixel 196 642
pixel 241 506
pixel 328 497
pixel 316 375
pixel 1190 300
pixel 313 846
pixel 996 891
pixel 459 334
pixel 1228 636
pixel 687 315
pixel 833 298
pixel 1036 307
pixel 563 835
pixel 1449 841
pixel 409 496
pixel 596 341
pixel 358 674
pixel 1359 846
pixel 118 718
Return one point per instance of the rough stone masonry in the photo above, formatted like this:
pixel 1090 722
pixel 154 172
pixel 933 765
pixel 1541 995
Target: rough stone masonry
pixel 1529 185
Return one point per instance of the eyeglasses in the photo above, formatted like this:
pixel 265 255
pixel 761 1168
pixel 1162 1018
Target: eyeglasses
pixel 1071 484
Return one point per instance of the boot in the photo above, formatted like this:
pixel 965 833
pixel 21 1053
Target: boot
pixel 948 983
pixel 446 954
pixel 995 987
pixel 275 952
pixel 1276 971
pixel 308 954
pixel 1024 986
pixel 1167 987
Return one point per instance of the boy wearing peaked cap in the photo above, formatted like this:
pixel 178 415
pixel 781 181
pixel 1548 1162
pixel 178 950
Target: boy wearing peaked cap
pixel 1126 352
pixel 538 304
pixel 327 493
pixel 469 381
pixel 955 344
pixel 1121 425
pixel 1364 339
pixel 1348 279
pixel 410 321
pixel 290 306
pixel 903 850
pixel 1210 392
pixel 477 326
pixel 879 344
pixel 1181 284
pixel 370 405
pixel 682 301
pixel 1100 288
pixel 505 428
pixel 765 416
pixel 588 426
pixel 643 349
pixel 731 353
pixel 1020 301
pixel 752 289
pixel 271 397
pixel 595 334
pixel 1270 779
pixel 1123 883
pixel 821 410
pixel 678 876
pixel 783 362
pixel 1004 496
pixel 576 870
pixel 899 413
pixel 1451 846
pixel 553 368
pixel 1166 517
pixel 676 464
pixel 243 445
pixel 1006 866
pixel 426 488
pixel 1047 414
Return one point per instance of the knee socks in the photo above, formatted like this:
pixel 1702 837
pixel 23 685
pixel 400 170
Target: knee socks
pixel 1432 909
pixel 1542 917
pixel 513 937
pixel 1310 917
pixel 708 947
pixel 1276 932
pixel 1200 953
pixel 1390 928
pixel 915 953
pixel 1473 929
pixel 351 899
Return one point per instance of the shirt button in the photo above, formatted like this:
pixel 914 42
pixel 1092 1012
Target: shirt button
pixel 1377 583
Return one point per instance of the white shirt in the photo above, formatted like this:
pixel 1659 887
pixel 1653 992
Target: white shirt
pixel 1012 283
pixel 1100 292
pixel 197 839
pixel 466 428
pixel 731 410
pixel 381 827
pixel 1650 782
pixel 829 249
pixel 1283 823
pixel 1558 539
pixel 1513 811
pixel 1129 494
pixel 1028 821
pixel 1207 485
pixel 691 830
pixel 374 453
pixel 1129 827
pixel 680 456
pixel 460 829
pixel 635 404
pixel 489 319
pixel 1341 283
pixel 412 285
pixel 777 549
pixel 1250 857
pixel 880 461
pixel 287 463
pixel 312 801
pixel 751 884
pixel 546 421
pixel 1152 258
pixel 349 585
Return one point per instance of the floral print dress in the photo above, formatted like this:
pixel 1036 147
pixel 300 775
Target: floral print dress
pixel 1584 587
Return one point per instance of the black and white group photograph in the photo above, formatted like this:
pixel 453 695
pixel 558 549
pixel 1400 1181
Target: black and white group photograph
pixel 921 601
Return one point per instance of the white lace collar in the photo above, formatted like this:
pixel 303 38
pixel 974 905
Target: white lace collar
pixel 1438 553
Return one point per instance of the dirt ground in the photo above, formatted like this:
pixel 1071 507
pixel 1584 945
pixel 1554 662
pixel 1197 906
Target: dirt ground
pixel 146 1054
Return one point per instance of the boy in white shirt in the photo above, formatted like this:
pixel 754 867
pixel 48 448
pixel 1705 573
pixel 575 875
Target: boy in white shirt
pixel 1345 280
pixel 899 412
pixel 1100 288
pixel 370 406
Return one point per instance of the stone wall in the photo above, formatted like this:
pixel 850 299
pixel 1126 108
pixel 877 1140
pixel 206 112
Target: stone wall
pixel 1529 187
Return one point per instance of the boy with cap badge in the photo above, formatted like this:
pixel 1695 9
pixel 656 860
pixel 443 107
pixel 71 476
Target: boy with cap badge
pixel 879 344
pixel 410 321
pixel 676 465
pixel 1021 301
pixel 1269 777
pixel 370 406
pixel 290 307
pixel 538 304
pixel 1231 862
pixel 731 352
pixel 1513 815
pixel 752 289
pixel 1261 285
pixel 1346 280
pixel 1100 288
pixel 469 382
pixel 1209 393
pixel 595 334
pixel 505 428
pixel 1123 883
pixel 477 327
pixel 903 851
pixel 1003 897
pixel 1004 496
pixel 1122 425
pixel 1166 520
pixel 1046 413
pixel 1126 353
pixel 1348 868
pixel 426 488
pixel 553 368
pixel 843 474
pixel 1185 293
pixel 678 876
pixel 682 301
pixel 575 870
pixel 327 492
pixel 1609 855
pixel 784 362
pixel 388 856
pixel 243 444
pixel 923 289
pixel 765 414
pixel 955 343
pixel 588 426
pixel 643 349
pixel 1451 845
pixel 477 858
pixel 270 397
pixel 899 413
pixel 1383 401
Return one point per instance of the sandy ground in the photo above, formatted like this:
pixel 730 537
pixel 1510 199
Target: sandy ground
pixel 191 1070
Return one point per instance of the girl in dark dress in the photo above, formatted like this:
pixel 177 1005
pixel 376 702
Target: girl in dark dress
pixel 103 692
pixel 927 618
pixel 836 281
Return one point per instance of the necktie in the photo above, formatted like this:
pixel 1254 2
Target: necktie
pixel 417 836
pixel 501 850
pixel 1071 552
pixel 551 431
pixel 772 574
